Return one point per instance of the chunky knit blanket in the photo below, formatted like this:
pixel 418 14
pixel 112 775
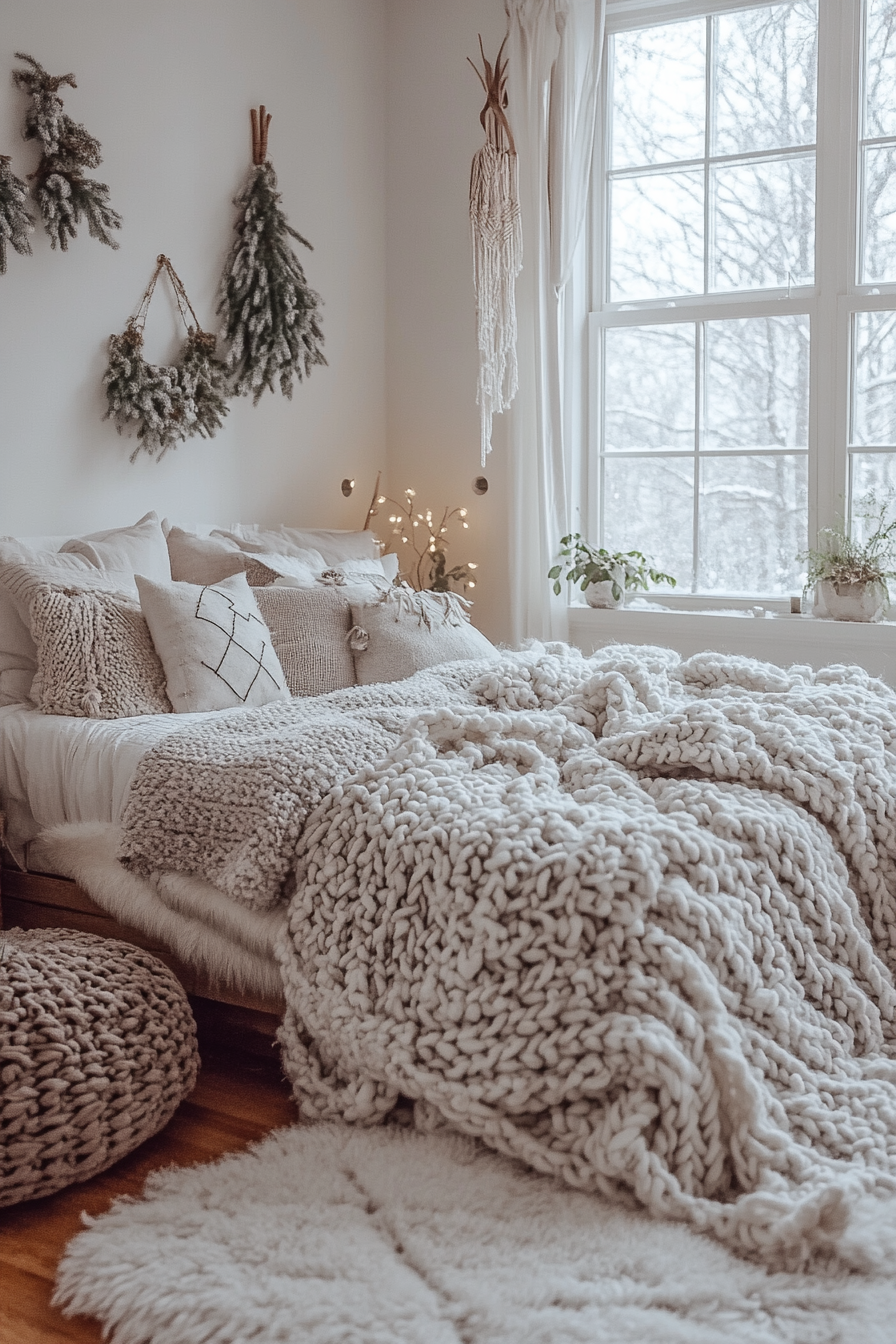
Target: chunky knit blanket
pixel 630 919
pixel 226 797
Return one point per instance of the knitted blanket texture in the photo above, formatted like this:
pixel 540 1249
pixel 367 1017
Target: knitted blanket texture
pixel 630 919
pixel 225 799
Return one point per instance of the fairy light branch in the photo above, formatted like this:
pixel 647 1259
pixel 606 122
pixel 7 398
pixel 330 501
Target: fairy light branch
pixel 428 540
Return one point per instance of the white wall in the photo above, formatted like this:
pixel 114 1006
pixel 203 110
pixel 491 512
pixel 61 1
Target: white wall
pixel 433 131
pixel 166 87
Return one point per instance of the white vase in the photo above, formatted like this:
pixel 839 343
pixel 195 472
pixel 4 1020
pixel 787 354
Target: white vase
pixel 850 601
pixel 601 595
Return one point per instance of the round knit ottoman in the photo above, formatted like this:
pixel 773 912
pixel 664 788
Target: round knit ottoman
pixel 97 1050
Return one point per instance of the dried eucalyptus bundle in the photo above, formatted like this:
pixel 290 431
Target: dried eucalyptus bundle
pixel 15 221
pixel 64 195
pixel 271 316
pixel 165 403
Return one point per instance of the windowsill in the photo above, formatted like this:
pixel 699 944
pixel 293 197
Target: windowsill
pixel 774 637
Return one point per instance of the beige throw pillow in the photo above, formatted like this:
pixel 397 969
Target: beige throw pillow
pixel 331 544
pixel 404 631
pixel 310 628
pixel 95 656
pixel 214 645
pixel 202 559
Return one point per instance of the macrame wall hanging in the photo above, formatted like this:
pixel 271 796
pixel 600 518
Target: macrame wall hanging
pixel 63 194
pixel 165 404
pixel 271 316
pixel 497 249
pixel 15 221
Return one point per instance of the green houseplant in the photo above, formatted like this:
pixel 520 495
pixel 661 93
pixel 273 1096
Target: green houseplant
pixel 603 576
pixel 849 576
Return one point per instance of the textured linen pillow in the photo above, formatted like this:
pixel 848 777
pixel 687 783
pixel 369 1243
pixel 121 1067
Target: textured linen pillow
pixel 310 628
pixel 95 656
pixel 215 648
pixel 403 632
pixel 140 549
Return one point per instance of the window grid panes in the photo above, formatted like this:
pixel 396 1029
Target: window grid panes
pixel 877 151
pixel 711 154
pixel 709 201
pixel 705 439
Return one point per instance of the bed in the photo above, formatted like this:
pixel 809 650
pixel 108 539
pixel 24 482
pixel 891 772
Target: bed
pixel 627 917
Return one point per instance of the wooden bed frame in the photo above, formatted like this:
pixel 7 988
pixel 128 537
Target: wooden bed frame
pixel 42 901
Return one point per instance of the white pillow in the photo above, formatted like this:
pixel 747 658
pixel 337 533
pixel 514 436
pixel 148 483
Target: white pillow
pixel 333 545
pixel 215 647
pixel 141 549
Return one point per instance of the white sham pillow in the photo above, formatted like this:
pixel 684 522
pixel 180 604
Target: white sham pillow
pixel 215 646
pixel 141 549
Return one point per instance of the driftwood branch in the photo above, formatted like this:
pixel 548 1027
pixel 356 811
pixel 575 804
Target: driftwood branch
pixel 494 82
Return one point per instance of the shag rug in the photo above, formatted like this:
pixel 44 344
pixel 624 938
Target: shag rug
pixel 334 1235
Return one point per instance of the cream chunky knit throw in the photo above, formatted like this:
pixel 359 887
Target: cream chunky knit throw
pixel 628 918
pixel 631 920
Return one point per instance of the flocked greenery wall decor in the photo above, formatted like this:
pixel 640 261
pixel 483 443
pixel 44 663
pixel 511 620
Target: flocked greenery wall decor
pixel 165 404
pixel 63 194
pixel 15 221
pixel 271 316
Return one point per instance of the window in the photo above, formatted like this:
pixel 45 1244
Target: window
pixel 743 338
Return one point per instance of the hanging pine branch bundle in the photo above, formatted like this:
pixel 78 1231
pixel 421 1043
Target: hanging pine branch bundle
pixel 271 316
pixel 64 195
pixel 15 221
pixel 165 403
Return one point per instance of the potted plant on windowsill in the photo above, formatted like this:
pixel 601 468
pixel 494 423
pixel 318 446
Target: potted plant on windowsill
pixel 603 576
pixel 849 577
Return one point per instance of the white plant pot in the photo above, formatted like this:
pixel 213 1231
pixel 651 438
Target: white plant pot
pixel 850 601
pixel 601 595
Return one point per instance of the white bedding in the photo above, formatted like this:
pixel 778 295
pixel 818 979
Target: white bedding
pixel 56 769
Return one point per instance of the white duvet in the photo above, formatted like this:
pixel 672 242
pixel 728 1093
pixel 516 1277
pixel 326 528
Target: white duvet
pixel 55 769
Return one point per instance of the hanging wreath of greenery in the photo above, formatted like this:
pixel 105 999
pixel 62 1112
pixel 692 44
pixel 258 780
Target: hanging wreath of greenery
pixel 165 403
pixel 15 221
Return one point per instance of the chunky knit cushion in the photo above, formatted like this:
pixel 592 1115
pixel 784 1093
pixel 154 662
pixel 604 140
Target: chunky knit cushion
pixel 97 1050
pixel 310 627
pixel 403 632
pixel 95 656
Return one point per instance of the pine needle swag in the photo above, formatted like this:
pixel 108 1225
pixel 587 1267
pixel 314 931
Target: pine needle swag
pixel 15 221
pixel 205 380
pixel 271 316
pixel 64 195
pixel 151 398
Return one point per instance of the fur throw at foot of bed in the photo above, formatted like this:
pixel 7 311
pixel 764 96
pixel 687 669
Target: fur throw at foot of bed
pixel 632 920
pixel 206 929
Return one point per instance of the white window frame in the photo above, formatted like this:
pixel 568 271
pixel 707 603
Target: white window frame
pixel 830 302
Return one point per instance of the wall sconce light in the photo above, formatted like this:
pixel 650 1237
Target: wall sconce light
pixel 480 485
pixel 347 487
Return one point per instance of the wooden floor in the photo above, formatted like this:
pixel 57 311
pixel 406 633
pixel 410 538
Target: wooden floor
pixel 239 1098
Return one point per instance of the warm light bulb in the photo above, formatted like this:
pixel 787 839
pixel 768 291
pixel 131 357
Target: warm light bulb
pixel 412 493
pixel 466 524
pixel 463 513
pixel 471 565
pixel 382 499
pixel 472 583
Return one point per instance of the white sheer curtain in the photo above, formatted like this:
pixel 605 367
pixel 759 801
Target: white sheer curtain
pixel 554 52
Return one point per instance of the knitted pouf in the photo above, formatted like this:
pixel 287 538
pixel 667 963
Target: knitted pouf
pixel 97 1050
